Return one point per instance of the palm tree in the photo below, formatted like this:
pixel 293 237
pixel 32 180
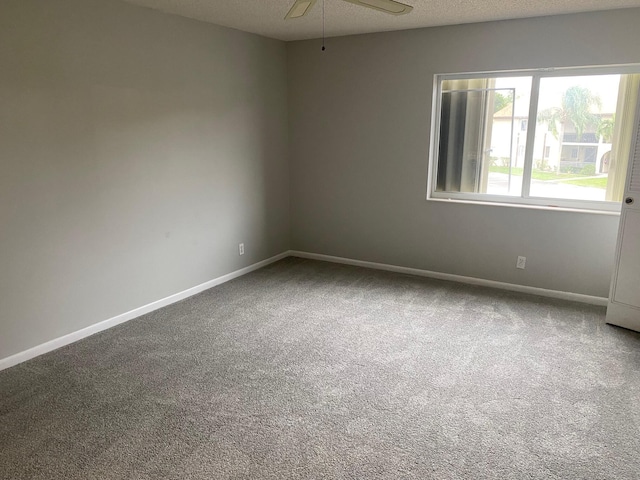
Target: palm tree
pixel 605 129
pixel 575 108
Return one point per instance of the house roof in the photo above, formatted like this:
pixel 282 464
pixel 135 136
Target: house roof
pixel 522 110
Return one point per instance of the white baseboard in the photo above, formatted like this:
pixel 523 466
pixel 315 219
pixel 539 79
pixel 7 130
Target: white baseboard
pixel 130 315
pixel 543 292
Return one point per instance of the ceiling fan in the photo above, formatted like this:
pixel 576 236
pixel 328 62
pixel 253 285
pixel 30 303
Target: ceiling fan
pixel 301 7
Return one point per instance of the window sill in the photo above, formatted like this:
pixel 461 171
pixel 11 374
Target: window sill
pixel 548 208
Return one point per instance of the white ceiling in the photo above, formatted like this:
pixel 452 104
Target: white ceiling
pixel 266 17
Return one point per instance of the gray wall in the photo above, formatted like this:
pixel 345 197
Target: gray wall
pixel 360 118
pixel 137 150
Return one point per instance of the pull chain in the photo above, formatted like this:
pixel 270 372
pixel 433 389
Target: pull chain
pixel 323 49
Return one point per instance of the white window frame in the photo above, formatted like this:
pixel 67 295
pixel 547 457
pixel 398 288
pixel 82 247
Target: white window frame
pixel 525 200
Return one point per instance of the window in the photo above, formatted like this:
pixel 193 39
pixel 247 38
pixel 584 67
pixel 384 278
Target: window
pixel 550 138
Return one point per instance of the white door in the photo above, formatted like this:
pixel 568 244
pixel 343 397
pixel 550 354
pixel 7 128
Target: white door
pixel 624 298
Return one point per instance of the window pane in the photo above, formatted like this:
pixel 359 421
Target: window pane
pixel 574 135
pixel 483 129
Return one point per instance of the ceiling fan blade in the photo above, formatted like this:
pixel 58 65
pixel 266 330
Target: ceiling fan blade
pixel 300 8
pixel 387 6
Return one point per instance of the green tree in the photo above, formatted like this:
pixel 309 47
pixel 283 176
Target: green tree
pixel 576 108
pixel 501 101
pixel 605 129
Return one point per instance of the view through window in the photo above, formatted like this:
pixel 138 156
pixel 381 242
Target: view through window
pixel 544 138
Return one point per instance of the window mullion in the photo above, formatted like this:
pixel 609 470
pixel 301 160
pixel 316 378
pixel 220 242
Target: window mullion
pixel 434 164
pixel 531 136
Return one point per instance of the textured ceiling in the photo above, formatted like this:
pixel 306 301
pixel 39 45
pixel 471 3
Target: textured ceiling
pixel 266 17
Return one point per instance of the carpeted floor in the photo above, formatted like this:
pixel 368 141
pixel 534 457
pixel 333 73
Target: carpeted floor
pixel 307 369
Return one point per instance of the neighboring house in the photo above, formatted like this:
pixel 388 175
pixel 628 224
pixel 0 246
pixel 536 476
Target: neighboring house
pixel 509 135
pixel 590 149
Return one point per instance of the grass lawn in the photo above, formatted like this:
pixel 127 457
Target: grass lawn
pixel 535 174
pixel 600 182
pixel 517 171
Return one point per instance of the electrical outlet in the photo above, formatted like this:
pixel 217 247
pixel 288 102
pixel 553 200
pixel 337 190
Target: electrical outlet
pixel 241 248
pixel 521 263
